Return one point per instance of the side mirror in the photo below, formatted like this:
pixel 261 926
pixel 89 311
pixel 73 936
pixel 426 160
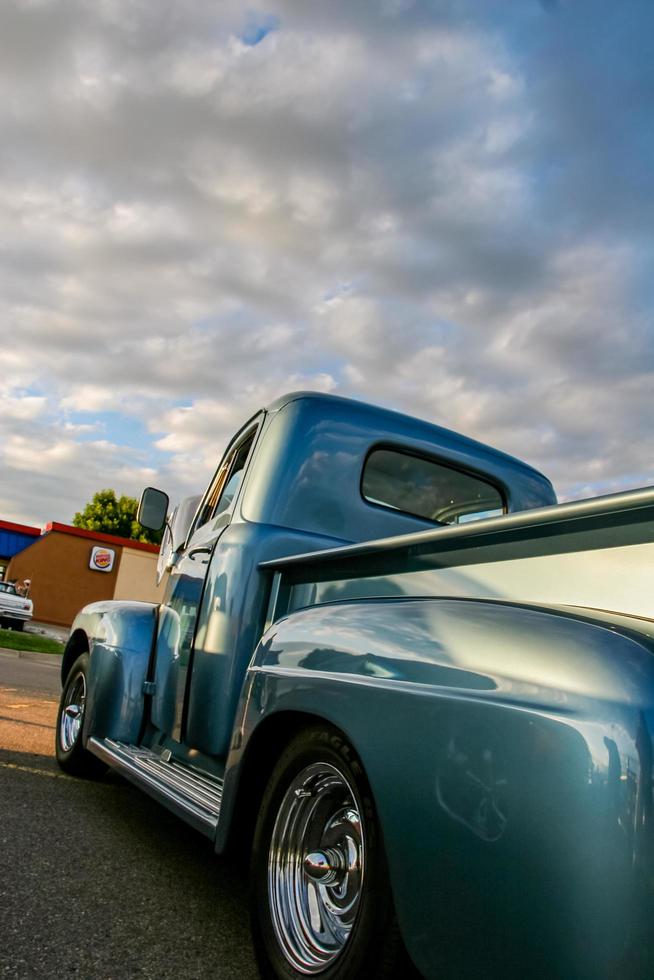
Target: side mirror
pixel 153 507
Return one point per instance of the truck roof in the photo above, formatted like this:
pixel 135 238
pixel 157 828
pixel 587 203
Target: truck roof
pixel 411 422
pixel 308 469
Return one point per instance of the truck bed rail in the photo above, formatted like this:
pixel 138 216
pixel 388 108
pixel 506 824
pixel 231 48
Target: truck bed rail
pixel 597 552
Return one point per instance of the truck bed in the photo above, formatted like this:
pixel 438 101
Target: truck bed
pixel 596 553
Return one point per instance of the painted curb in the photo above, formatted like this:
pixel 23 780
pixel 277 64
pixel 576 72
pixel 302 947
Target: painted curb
pixel 50 659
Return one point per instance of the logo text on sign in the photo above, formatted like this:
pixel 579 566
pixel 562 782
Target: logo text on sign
pixel 102 559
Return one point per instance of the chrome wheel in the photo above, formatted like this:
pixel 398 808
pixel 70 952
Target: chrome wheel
pixel 72 714
pixel 316 868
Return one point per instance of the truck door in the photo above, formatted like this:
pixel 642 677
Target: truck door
pixel 179 610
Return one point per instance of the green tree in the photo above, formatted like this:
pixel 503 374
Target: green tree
pixel 114 515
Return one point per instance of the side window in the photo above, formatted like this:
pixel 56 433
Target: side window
pixel 233 477
pixel 428 489
pixel 226 482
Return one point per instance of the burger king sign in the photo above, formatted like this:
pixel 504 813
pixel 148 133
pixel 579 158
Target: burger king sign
pixel 102 559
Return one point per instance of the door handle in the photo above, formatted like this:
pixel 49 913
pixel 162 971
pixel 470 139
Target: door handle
pixel 198 551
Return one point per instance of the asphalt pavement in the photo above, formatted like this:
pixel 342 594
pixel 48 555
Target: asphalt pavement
pixel 96 880
pixel 41 677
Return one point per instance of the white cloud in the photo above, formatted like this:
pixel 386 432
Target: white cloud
pixel 22 406
pixel 420 206
pixel 90 398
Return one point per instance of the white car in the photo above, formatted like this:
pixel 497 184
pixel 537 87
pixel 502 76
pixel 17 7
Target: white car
pixel 15 609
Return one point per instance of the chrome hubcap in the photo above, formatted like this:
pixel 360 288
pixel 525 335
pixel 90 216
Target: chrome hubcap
pixel 316 868
pixel 73 713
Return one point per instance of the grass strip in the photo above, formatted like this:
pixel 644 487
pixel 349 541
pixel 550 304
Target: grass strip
pixel 13 640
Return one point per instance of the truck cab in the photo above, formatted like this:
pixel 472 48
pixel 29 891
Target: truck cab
pixel 309 472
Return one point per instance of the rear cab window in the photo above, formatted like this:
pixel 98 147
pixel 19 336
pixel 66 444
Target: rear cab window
pixel 428 488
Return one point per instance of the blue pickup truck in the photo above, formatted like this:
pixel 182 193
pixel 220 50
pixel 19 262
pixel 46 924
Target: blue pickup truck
pixel 413 689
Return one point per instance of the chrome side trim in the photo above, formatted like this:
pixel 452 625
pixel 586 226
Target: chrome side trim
pixel 191 795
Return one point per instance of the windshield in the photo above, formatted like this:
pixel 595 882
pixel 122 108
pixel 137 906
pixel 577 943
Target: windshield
pixel 6 587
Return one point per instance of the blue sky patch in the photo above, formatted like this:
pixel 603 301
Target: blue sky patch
pixel 123 430
pixel 258 27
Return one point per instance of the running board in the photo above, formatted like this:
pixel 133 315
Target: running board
pixel 194 796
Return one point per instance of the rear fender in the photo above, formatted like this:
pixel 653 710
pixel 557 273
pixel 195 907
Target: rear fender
pixel 494 736
pixel 119 638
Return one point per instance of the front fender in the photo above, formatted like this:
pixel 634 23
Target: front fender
pixel 509 752
pixel 119 637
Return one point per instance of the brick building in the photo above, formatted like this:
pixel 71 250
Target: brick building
pixel 69 567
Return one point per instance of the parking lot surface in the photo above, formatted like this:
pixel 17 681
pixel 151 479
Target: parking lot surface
pixel 96 880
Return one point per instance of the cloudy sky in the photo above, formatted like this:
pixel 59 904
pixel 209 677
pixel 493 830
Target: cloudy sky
pixel 444 207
